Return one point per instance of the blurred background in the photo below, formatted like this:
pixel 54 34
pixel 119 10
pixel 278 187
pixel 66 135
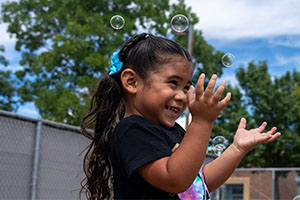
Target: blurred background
pixel 52 52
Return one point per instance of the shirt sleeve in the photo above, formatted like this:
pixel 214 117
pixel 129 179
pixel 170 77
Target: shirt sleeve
pixel 141 144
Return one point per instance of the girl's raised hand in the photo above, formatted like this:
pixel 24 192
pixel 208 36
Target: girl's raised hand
pixel 204 105
pixel 245 140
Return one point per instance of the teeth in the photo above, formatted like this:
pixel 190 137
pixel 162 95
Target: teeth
pixel 175 110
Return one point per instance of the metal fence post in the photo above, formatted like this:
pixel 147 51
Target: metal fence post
pixel 190 50
pixel 273 184
pixel 35 170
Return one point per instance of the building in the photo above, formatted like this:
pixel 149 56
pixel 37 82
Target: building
pixel 261 183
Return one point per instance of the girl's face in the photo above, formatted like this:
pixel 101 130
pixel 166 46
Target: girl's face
pixel 162 98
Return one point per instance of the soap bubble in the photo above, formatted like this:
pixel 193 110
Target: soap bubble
pixel 218 140
pixel 220 115
pixel 219 145
pixel 218 149
pixel 117 22
pixel 296 197
pixel 228 59
pixel 179 23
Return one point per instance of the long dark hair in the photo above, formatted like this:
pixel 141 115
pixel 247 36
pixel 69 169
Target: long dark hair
pixel 142 53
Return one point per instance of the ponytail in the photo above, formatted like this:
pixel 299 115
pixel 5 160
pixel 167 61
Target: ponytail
pixel 105 107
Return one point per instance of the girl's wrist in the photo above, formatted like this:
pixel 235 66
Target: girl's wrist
pixel 201 126
pixel 238 149
pixel 202 121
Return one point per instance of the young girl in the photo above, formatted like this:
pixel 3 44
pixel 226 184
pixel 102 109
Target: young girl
pixel 135 146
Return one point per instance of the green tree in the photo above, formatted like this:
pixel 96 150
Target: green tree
pixel 272 101
pixel 8 94
pixel 8 91
pixel 2 58
pixel 66 46
pixel 276 102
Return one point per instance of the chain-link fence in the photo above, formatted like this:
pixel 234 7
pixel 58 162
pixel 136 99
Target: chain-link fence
pixel 39 159
pixel 261 183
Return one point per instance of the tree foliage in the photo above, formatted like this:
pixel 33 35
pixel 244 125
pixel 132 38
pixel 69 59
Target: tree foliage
pixel 66 46
pixel 3 60
pixel 273 100
pixel 8 91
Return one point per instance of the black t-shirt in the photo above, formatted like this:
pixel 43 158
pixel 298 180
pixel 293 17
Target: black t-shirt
pixel 135 142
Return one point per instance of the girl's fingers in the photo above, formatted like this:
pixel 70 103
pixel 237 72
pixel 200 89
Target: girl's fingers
pixel 219 92
pixel 242 124
pixel 270 136
pixel 225 101
pixel 200 85
pixel 210 87
pixel 263 138
pixel 262 127
pixel 274 137
pixel 270 132
pixel 191 94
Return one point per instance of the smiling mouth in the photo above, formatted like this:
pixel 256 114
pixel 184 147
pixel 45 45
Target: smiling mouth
pixel 173 109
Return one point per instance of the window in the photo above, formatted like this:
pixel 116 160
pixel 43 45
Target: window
pixel 234 191
pixel 297 180
pixel 235 188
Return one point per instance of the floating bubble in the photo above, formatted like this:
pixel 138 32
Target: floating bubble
pixel 218 149
pixel 179 23
pixel 219 140
pixel 117 22
pixel 220 115
pixel 296 197
pixel 228 59
pixel 219 145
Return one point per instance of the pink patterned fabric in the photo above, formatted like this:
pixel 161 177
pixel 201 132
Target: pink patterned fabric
pixel 197 191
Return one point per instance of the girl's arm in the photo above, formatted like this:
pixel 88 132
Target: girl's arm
pixel 177 172
pixel 219 170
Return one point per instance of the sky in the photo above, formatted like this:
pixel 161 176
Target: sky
pixel 251 30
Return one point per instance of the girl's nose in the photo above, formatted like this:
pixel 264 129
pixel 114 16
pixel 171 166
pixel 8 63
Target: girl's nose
pixel 180 96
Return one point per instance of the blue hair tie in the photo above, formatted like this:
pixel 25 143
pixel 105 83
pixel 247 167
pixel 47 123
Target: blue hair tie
pixel 115 64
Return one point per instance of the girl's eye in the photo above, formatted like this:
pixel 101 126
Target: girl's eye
pixel 173 83
pixel 186 89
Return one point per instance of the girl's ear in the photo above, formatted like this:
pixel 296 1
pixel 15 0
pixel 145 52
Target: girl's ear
pixel 129 80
